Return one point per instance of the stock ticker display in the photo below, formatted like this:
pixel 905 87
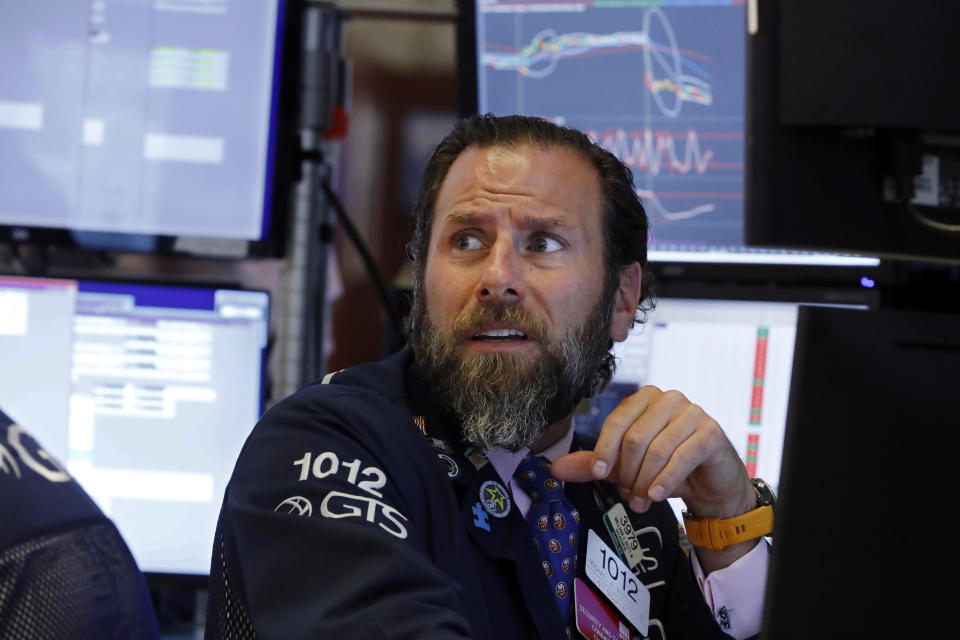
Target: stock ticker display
pixel 659 84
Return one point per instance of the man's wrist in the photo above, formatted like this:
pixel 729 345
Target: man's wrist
pixel 747 501
pixel 753 520
pixel 715 559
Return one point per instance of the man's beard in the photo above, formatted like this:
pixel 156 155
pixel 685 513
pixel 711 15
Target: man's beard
pixel 505 399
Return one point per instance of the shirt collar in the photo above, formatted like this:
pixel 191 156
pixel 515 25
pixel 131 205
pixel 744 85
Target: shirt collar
pixel 506 462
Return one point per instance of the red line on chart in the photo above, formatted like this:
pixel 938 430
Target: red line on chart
pixel 753 454
pixel 654 151
pixel 759 374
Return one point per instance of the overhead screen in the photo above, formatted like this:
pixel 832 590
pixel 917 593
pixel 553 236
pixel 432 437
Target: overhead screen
pixel 122 122
pixel 145 393
pixel 659 84
pixel 734 358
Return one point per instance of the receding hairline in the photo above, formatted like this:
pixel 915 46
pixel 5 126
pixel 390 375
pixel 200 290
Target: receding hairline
pixel 528 139
pixel 566 149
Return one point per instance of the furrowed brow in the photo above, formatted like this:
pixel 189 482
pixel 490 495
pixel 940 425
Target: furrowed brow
pixel 526 222
pixel 465 218
pixel 532 223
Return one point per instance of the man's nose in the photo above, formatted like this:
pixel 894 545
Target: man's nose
pixel 501 278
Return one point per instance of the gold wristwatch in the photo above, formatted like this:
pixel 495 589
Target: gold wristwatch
pixel 720 533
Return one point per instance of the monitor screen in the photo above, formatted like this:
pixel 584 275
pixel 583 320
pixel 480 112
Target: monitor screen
pixel 732 357
pixel 145 393
pixel 661 85
pixel 124 122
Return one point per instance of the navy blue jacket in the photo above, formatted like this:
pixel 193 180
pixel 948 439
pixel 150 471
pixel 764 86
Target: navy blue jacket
pixel 65 571
pixel 342 519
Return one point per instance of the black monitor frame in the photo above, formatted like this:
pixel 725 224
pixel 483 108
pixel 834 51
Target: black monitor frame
pixel 843 102
pixel 869 439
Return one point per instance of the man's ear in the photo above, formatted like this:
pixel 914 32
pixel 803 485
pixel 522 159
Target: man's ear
pixel 625 302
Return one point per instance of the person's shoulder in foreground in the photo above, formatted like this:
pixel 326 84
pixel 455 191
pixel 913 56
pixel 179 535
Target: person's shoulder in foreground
pixel 65 571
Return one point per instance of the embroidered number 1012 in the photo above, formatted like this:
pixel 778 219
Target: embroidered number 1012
pixel 328 463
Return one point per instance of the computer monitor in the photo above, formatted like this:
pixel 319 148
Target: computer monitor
pixel 853 136
pixel 733 357
pixel 861 545
pixel 659 84
pixel 144 392
pixel 149 125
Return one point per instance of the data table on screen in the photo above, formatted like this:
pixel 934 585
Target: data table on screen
pixel 144 393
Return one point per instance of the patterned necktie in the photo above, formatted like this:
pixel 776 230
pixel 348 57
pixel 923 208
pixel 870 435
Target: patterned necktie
pixel 554 525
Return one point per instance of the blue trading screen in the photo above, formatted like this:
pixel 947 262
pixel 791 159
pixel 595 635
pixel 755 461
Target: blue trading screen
pixel 659 84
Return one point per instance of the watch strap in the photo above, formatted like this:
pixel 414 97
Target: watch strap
pixel 720 533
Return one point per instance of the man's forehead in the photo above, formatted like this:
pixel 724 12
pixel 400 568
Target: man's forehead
pixel 554 174
pixel 555 150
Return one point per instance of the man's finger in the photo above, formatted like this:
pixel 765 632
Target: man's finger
pixel 658 455
pixel 607 450
pixel 574 467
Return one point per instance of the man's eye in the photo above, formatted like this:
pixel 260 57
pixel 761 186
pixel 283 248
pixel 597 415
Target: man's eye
pixel 467 242
pixel 545 244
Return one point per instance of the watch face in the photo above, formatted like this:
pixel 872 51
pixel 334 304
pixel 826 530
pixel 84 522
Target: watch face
pixel 765 494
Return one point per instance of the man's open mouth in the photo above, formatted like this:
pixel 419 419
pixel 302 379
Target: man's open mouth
pixel 499 335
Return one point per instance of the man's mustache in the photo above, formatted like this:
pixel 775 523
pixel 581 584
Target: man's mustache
pixel 467 323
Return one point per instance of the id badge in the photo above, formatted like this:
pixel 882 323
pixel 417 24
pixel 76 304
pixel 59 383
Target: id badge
pixel 595 619
pixel 624 538
pixel 616 582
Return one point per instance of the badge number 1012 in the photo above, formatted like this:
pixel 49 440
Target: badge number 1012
pixel 328 464
pixel 617 583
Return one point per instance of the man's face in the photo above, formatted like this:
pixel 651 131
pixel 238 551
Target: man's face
pixel 511 316
pixel 519 227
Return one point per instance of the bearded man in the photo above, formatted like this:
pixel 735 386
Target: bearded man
pixel 412 498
